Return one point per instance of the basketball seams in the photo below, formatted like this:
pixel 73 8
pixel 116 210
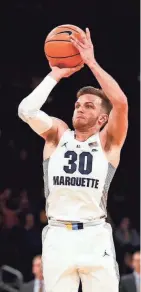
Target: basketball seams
pixel 68 28
pixel 57 41
pixel 62 57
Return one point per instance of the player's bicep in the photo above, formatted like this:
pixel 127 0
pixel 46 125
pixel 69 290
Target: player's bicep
pixel 118 125
pixel 41 128
pixel 56 131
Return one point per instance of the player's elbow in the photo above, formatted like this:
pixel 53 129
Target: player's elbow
pixel 21 111
pixel 122 103
pixel 24 112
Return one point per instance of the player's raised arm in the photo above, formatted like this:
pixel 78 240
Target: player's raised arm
pixel 29 108
pixel 117 126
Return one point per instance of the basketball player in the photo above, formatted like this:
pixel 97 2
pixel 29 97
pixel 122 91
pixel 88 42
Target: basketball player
pixel 78 168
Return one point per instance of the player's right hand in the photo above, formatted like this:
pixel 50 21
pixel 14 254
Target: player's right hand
pixel 59 73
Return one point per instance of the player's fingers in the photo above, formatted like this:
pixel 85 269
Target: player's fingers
pixel 77 68
pixel 74 42
pixel 77 43
pixel 80 31
pixel 52 67
pixel 88 35
pixel 82 38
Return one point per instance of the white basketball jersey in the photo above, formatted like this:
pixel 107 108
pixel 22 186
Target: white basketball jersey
pixel 77 177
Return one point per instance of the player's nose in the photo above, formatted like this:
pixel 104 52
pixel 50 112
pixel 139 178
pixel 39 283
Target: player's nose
pixel 80 109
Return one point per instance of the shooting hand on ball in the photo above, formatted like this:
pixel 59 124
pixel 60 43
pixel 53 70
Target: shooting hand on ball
pixel 85 46
pixel 59 73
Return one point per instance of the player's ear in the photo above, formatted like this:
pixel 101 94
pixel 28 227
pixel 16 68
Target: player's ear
pixel 102 119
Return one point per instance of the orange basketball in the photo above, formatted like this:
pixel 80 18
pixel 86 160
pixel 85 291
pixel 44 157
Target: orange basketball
pixel 58 48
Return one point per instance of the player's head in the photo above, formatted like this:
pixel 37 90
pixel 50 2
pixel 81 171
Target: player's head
pixel 92 109
pixel 37 267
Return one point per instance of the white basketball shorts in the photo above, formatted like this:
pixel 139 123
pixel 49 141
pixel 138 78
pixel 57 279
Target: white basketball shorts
pixel 87 254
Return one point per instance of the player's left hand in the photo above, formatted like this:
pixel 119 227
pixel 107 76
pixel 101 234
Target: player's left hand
pixel 59 73
pixel 84 46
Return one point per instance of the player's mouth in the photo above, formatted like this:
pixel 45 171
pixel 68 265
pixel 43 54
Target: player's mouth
pixel 80 117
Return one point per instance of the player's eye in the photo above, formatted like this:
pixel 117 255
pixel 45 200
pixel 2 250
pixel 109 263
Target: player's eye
pixel 89 106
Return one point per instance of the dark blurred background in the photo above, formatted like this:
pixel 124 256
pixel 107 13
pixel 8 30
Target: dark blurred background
pixel 24 24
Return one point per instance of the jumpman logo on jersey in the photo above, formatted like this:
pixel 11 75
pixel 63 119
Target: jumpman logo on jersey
pixel 105 254
pixel 65 144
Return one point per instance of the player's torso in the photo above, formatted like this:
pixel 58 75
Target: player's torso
pixel 77 178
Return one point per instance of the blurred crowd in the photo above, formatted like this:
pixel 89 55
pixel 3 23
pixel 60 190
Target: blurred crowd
pixel 20 235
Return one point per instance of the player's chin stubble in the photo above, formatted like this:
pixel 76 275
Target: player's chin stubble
pixel 79 124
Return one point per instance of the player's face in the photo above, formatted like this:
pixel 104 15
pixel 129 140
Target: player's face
pixel 87 111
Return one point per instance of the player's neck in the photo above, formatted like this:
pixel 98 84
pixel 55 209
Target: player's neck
pixel 84 135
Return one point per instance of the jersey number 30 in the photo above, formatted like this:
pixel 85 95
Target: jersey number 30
pixel 85 160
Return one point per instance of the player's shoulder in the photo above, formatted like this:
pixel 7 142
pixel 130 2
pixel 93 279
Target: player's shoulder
pixel 60 123
pixel 61 127
pixel 55 134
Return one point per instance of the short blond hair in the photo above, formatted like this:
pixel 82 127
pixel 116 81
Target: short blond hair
pixel 106 104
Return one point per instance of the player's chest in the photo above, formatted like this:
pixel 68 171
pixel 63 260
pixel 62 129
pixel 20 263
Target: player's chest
pixel 77 159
